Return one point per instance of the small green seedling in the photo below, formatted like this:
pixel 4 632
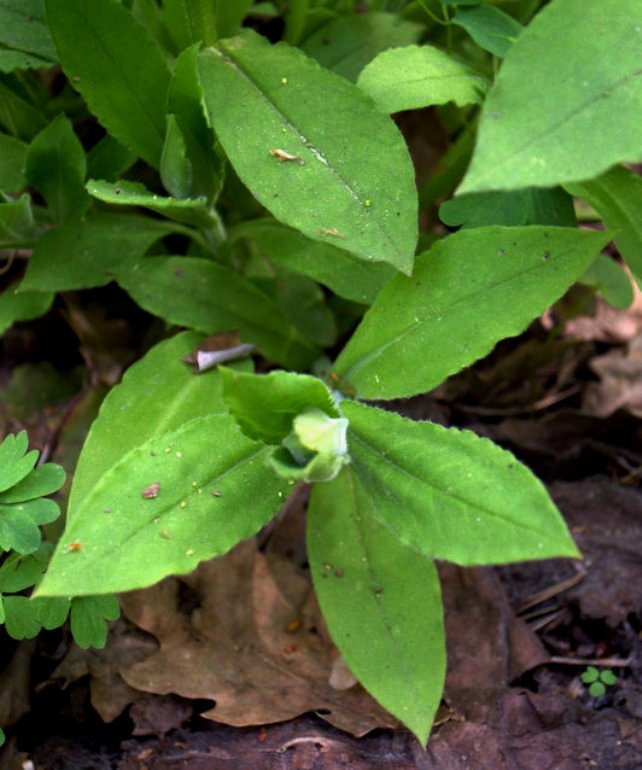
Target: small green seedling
pixel 597 680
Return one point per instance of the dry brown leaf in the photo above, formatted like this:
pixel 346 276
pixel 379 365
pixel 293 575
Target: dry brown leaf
pixel 620 385
pixel 228 634
pixel 609 324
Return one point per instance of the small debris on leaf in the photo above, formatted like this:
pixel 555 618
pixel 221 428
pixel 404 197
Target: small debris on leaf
pixel 151 491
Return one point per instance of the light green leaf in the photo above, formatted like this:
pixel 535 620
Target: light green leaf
pixel 450 494
pixel 611 280
pixel 22 306
pixel 17 223
pixel 491 28
pixel 265 405
pixel 55 165
pixel 346 44
pixel 45 480
pixel 532 206
pixel 89 616
pixel 157 395
pixel 204 295
pixel 122 193
pixel 24 35
pixel 87 254
pixel 118 68
pixel 381 601
pixel 420 76
pixel 617 197
pixel 171 502
pixel 347 276
pixel 12 160
pixel 580 115
pixel 469 291
pixel 18 531
pixel 347 182
pixel 191 21
pixel 15 461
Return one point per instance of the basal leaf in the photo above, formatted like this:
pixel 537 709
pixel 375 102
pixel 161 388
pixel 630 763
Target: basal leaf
pixel 469 291
pixel 205 295
pixel 348 182
pixel 265 405
pixel 88 253
pixel 171 502
pixel 346 44
pixel 420 76
pixel 617 197
pixel 118 68
pixel 22 306
pixel 381 601
pixel 579 115
pixel 450 494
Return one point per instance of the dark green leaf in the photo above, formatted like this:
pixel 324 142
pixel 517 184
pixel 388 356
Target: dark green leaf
pixel 492 29
pixel 469 291
pixel 22 306
pixel 17 224
pixel 12 160
pixel 19 572
pixel 613 283
pixel 88 619
pixel 109 159
pixel 18 116
pixel 24 35
pixel 21 619
pixel 51 612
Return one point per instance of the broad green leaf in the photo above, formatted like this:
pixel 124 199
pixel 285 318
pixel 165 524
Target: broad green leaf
pixel 15 461
pixel 21 619
pixel 45 480
pixel 580 115
pixel 532 206
pixel 346 44
pixel 12 160
pixel 18 116
pixel 55 165
pixel 22 306
pixel 450 494
pixel 204 295
pixel 617 197
pixel 87 254
pixel 420 76
pixel 25 41
pixel 17 223
pixel 109 159
pixel 469 291
pixel 51 612
pixel 88 619
pixel 19 524
pixel 19 572
pixel 611 280
pixel 118 68
pixel 171 502
pixel 123 193
pixel 381 601
pixel 492 29
pixel 265 405
pixel 347 276
pixel 346 182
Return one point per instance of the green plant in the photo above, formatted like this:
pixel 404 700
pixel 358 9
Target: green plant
pixel 597 680
pixel 268 171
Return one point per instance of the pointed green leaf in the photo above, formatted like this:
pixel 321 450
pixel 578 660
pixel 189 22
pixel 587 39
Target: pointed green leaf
pixel 17 223
pixel 171 502
pixel 204 295
pixel 55 165
pixel 87 254
pixel 580 115
pixel 22 306
pixel 346 44
pixel 469 291
pixel 118 68
pixel 19 116
pixel 175 168
pixel 12 160
pixel 265 405
pixel 492 29
pixel 347 182
pixel 617 197
pixel 420 76
pixel 381 601
pixel 156 395
pixel 450 494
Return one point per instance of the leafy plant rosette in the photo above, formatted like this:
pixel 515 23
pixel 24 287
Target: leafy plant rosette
pixel 280 201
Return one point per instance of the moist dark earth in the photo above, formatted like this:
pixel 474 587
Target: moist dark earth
pixel 519 636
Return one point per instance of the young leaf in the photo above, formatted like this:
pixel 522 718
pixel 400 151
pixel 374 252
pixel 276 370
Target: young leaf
pixel 492 29
pixel 118 68
pixel 381 601
pixel 450 494
pixel 469 291
pixel 157 395
pixel 205 295
pixel 347 182
pixel 546 130
pixel 346 44
pixel 265 405
pixel 420 76
pixel 173 501
pixel 55 165
pixel 22 306
pixel 616 196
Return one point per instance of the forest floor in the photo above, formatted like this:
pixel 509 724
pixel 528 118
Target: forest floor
pixel 565 397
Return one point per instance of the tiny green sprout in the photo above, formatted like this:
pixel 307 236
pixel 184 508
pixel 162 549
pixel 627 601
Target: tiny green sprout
pixel 597 680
